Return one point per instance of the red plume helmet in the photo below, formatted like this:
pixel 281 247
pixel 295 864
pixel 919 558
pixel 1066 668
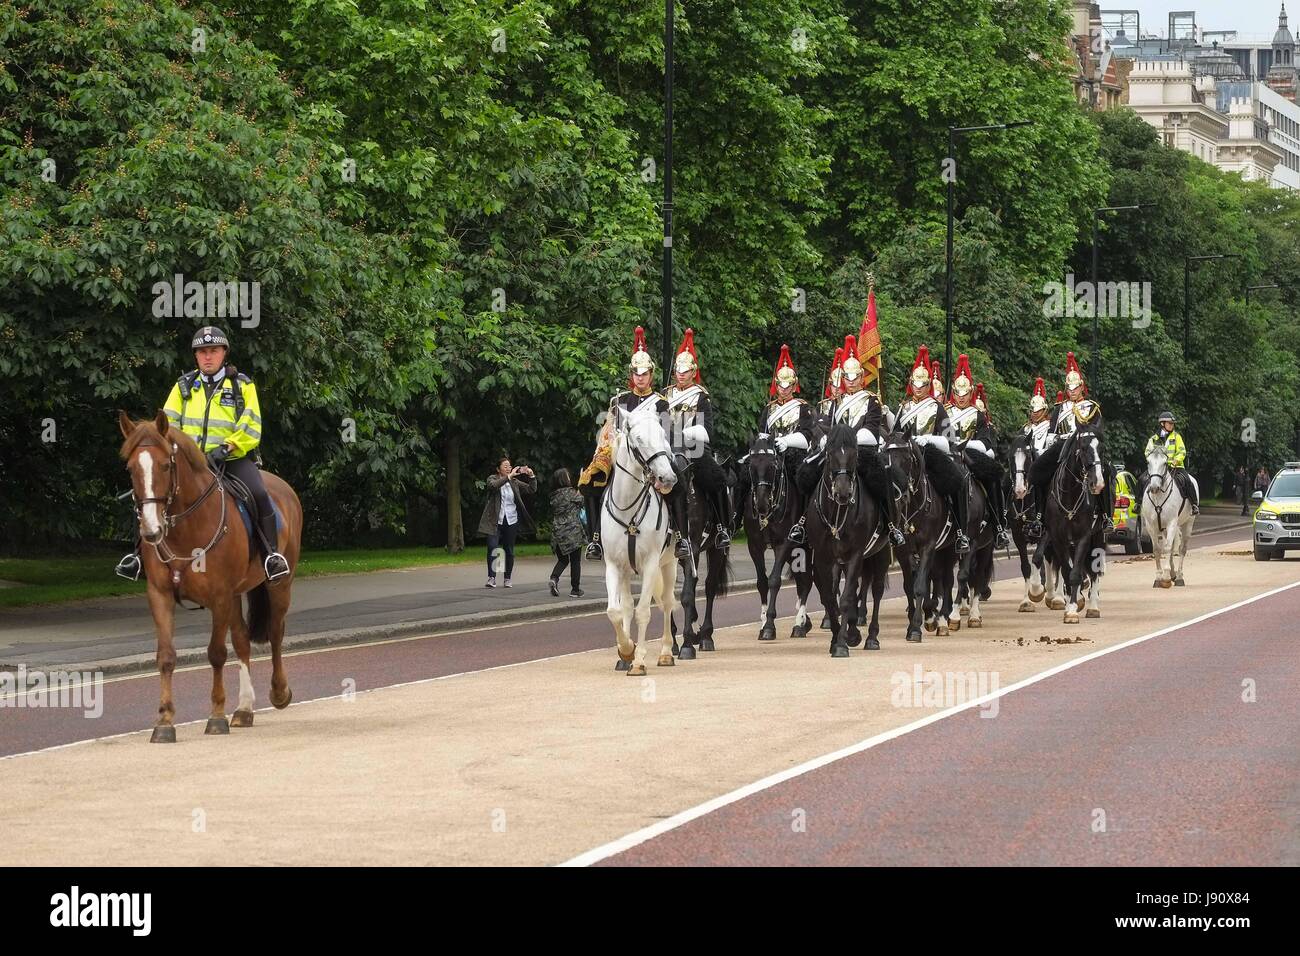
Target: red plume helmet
pixel 687 360
pixel 1073 374
pixel 833 379
pixel 784 373
pixel 962 381
pixel 641 359
pixel 920 377
pixel 936 380
pixel 1038 401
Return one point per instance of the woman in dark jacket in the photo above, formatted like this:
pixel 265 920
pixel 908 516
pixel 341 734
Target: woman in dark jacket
pixel 567 536
pixel 504 515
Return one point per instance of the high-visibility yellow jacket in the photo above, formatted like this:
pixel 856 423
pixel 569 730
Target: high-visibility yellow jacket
pixel 212 421
pixel 1174 447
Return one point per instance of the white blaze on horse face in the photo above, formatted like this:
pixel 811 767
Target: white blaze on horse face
pixel 1021 489
pixel 149 516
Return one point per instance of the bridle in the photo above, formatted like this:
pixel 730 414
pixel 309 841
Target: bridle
pixel 905 497
pixel 1085 493
pixel 1021 507
pixel 842 509
pixel 639 506
pixel 776 499
pixel 170 521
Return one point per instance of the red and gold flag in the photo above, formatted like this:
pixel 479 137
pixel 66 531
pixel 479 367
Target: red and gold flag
pixel 869 346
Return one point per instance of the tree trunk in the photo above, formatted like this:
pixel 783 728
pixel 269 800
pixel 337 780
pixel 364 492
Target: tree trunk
pixel 455 526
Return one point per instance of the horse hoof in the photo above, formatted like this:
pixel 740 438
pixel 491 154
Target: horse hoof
pixel 873 644
pixel 687 653
pixel 839 650
pixel 1093 612
pixel 974 623
pixel 217 725
pixel 1166 584
pixel 622 665
pixel 1072 618
pixel 636 670
pixel 963 611
pixel 954 624
pixel 163 734
pixel 666 660
pixel 241 718
pixel 1037 598
pixel 1180 583
pixel 799 631
pixel 854 638
pixel 706 644
pixel 942 631
pixel 1026 606
pixel 1057 604
pixel 280 703
pixel 930 625
pixel 914 636
pixel 767 633
pixel 986 594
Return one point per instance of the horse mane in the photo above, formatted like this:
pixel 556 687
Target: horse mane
pixel 146 433
pixel 842 434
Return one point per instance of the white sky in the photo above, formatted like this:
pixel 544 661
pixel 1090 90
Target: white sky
pixel 1249 17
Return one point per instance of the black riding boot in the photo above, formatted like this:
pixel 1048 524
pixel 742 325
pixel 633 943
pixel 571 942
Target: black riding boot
pixel 1034 526
pixel 721 537
pixel 275 565
pixel 891 508
pixel 679 519
pixel 960 517
pixel 591 500
pixel 1002 540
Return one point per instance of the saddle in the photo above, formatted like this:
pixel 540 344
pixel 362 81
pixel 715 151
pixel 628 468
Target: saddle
pixel 247 505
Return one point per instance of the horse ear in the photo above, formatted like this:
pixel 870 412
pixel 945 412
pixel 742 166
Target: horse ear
pixel 160 422
pixel 124 423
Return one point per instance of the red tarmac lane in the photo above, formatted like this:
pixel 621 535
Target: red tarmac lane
pixel 131 704
pixel 1156 736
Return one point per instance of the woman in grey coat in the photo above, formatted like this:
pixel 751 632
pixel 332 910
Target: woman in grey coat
pixel 567 537
pixel 504 516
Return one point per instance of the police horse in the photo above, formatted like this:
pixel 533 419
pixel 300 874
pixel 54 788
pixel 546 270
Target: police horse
pixel 637 539
pixel 1167 520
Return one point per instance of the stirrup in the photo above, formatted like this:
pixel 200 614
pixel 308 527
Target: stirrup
pixel 721 539
pixel 129 567
pixel 1034 529
pixel 1107 524
pixel 895 535
pixel 963 542
pixel 594 551
pixel 1001 539
pixel 682 550
pixel 797 533
pixel 275 566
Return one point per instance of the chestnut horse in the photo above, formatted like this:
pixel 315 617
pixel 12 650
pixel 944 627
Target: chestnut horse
pixel 194 547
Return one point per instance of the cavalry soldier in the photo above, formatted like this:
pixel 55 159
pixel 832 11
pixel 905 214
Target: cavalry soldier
pixel 691 412
pixel 1038 426
pixel 640 395
pixel 928 419
pixel 971 427
pixel 832 389
pixel 788 420
pixel 217 406
pixel 1073 409
pixel 1176 451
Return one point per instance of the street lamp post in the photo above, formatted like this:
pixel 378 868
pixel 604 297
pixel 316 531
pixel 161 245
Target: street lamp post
pixel 668 189
pixel 1187 296
pixel 951 177
pixel 1096 311
pixel 1255 288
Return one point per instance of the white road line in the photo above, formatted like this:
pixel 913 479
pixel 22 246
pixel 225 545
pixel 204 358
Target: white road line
pixel 663 826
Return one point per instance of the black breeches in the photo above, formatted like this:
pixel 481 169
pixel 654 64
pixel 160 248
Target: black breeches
pixel 1185 484
pixel 949 480
pixel 246 470
pixel 992 478
pixel 871 469
pixel 1040 473
pixel 807 475
pixel 709 476
pixel 591 498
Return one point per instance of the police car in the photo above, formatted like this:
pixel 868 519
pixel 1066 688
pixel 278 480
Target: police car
pixel 1277 519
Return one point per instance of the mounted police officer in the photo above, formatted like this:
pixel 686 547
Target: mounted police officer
pixel 690 429
pixel 788 420
pixel 640 396
pixel 1176 452
pixel 218 407
pixel 1073 410
pixel 973 431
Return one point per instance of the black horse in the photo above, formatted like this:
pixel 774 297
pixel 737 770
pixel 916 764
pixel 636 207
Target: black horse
pixel 1020 511
pixel 768 514
pixel 717 581
pixel 1073 528
pixel 975 567
pixel 844 531
pixel 927 554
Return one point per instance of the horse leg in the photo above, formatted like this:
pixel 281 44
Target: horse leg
pixel 618 597
pixel 824 572
pixel 803 584
pixel 953 621
pixel 217 723
pixel 826 617
pixel 1057 602
pixel 162 606
pixel 920 596
pixel 1075 582
pixel 1094 597
pixel 1180 546
pixel 717 561
pixel 240 638
pixel 281 693
pixel 982 575
pixel 666 600
pixel 849 601
pixel 879 574
pixel 690 581
pixel 758 554
pixel 771 589
pixel 641 622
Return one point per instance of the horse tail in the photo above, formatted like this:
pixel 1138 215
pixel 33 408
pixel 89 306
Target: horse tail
pixel 259 614
pixel 724 571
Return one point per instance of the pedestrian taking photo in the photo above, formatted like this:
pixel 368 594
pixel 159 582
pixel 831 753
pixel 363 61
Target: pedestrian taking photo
pixel 505 516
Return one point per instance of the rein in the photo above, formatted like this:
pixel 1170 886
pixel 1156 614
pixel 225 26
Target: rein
pixel 842 510
pixel 1081 477
pixel 639 506
pixel 776 502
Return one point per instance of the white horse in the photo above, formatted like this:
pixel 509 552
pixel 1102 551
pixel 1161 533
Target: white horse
pixel 1167 520
pixel 634 530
